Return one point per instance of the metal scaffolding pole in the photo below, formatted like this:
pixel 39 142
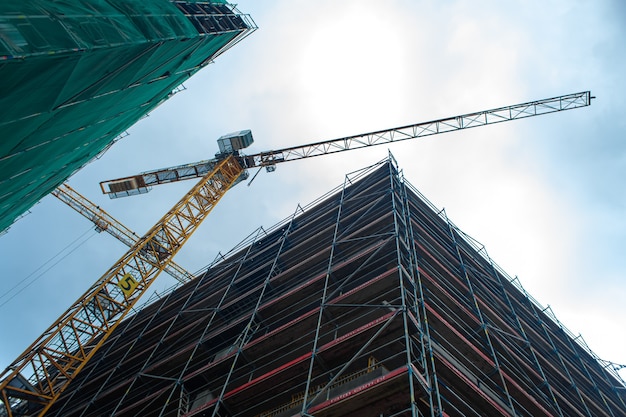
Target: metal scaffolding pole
pixel 402 240
pixel 215 311
pixel 479 314
pixel 489 273
pixel 588 374
pixel 316 340
pixel 556 351
pixel 427 357
pixel 520 328
pixel 253 325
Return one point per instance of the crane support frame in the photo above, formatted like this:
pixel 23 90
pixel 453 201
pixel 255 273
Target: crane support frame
pixel 104 222
pixel 32 383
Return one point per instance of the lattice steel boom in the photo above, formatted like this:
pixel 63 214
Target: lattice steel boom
pixel 141 183
pixel 104 222
pixel 418 130
pixel 32 383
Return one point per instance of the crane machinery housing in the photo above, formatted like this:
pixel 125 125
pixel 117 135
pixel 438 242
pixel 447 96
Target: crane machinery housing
pixel 36 379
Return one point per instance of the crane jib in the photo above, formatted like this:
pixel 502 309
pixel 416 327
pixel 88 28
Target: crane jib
pixel 422 129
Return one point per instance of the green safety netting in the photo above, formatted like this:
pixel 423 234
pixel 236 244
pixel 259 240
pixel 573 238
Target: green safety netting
pixel 74 75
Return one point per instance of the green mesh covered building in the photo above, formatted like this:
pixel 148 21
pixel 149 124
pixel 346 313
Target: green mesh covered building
pixel 75 74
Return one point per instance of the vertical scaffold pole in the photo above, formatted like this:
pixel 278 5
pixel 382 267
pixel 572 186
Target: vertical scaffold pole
pixel 588 374
pixel 479 314
pixel 183 311
pixel 520 328
pixel 607 379
pixel 556 351
pixel 251 327
pixel 215 312
pixel 323 301
pixel 427 355
pixel 399 216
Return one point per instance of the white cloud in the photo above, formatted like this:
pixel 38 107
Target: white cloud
pixel 544 195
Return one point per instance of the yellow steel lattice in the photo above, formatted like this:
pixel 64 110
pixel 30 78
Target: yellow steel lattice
pixel 32 383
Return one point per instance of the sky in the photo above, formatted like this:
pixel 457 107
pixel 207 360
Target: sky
pixel 544 195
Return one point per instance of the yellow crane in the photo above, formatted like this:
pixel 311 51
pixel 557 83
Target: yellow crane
pixel 33 382
pixel 104 222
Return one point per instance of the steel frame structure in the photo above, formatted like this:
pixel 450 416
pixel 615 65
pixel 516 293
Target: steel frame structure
pixel 367 302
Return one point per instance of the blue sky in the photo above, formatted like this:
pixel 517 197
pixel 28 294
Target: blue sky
pixel 544 195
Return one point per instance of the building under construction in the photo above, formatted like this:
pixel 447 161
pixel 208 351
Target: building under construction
pixel 75 74
pixel 367 302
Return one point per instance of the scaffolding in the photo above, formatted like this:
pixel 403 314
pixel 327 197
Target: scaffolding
pixel 367 302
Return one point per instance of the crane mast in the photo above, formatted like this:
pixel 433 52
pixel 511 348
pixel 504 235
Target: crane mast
pixel 31 384
pixel 139 184
pixel 104 222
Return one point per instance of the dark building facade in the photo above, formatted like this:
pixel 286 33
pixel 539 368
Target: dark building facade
pixel 75 74
pixel 368 302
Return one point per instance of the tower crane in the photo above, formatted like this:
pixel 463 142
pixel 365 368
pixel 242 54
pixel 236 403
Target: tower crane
pixel 104 222
pixel 231 144
pixel 36 379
